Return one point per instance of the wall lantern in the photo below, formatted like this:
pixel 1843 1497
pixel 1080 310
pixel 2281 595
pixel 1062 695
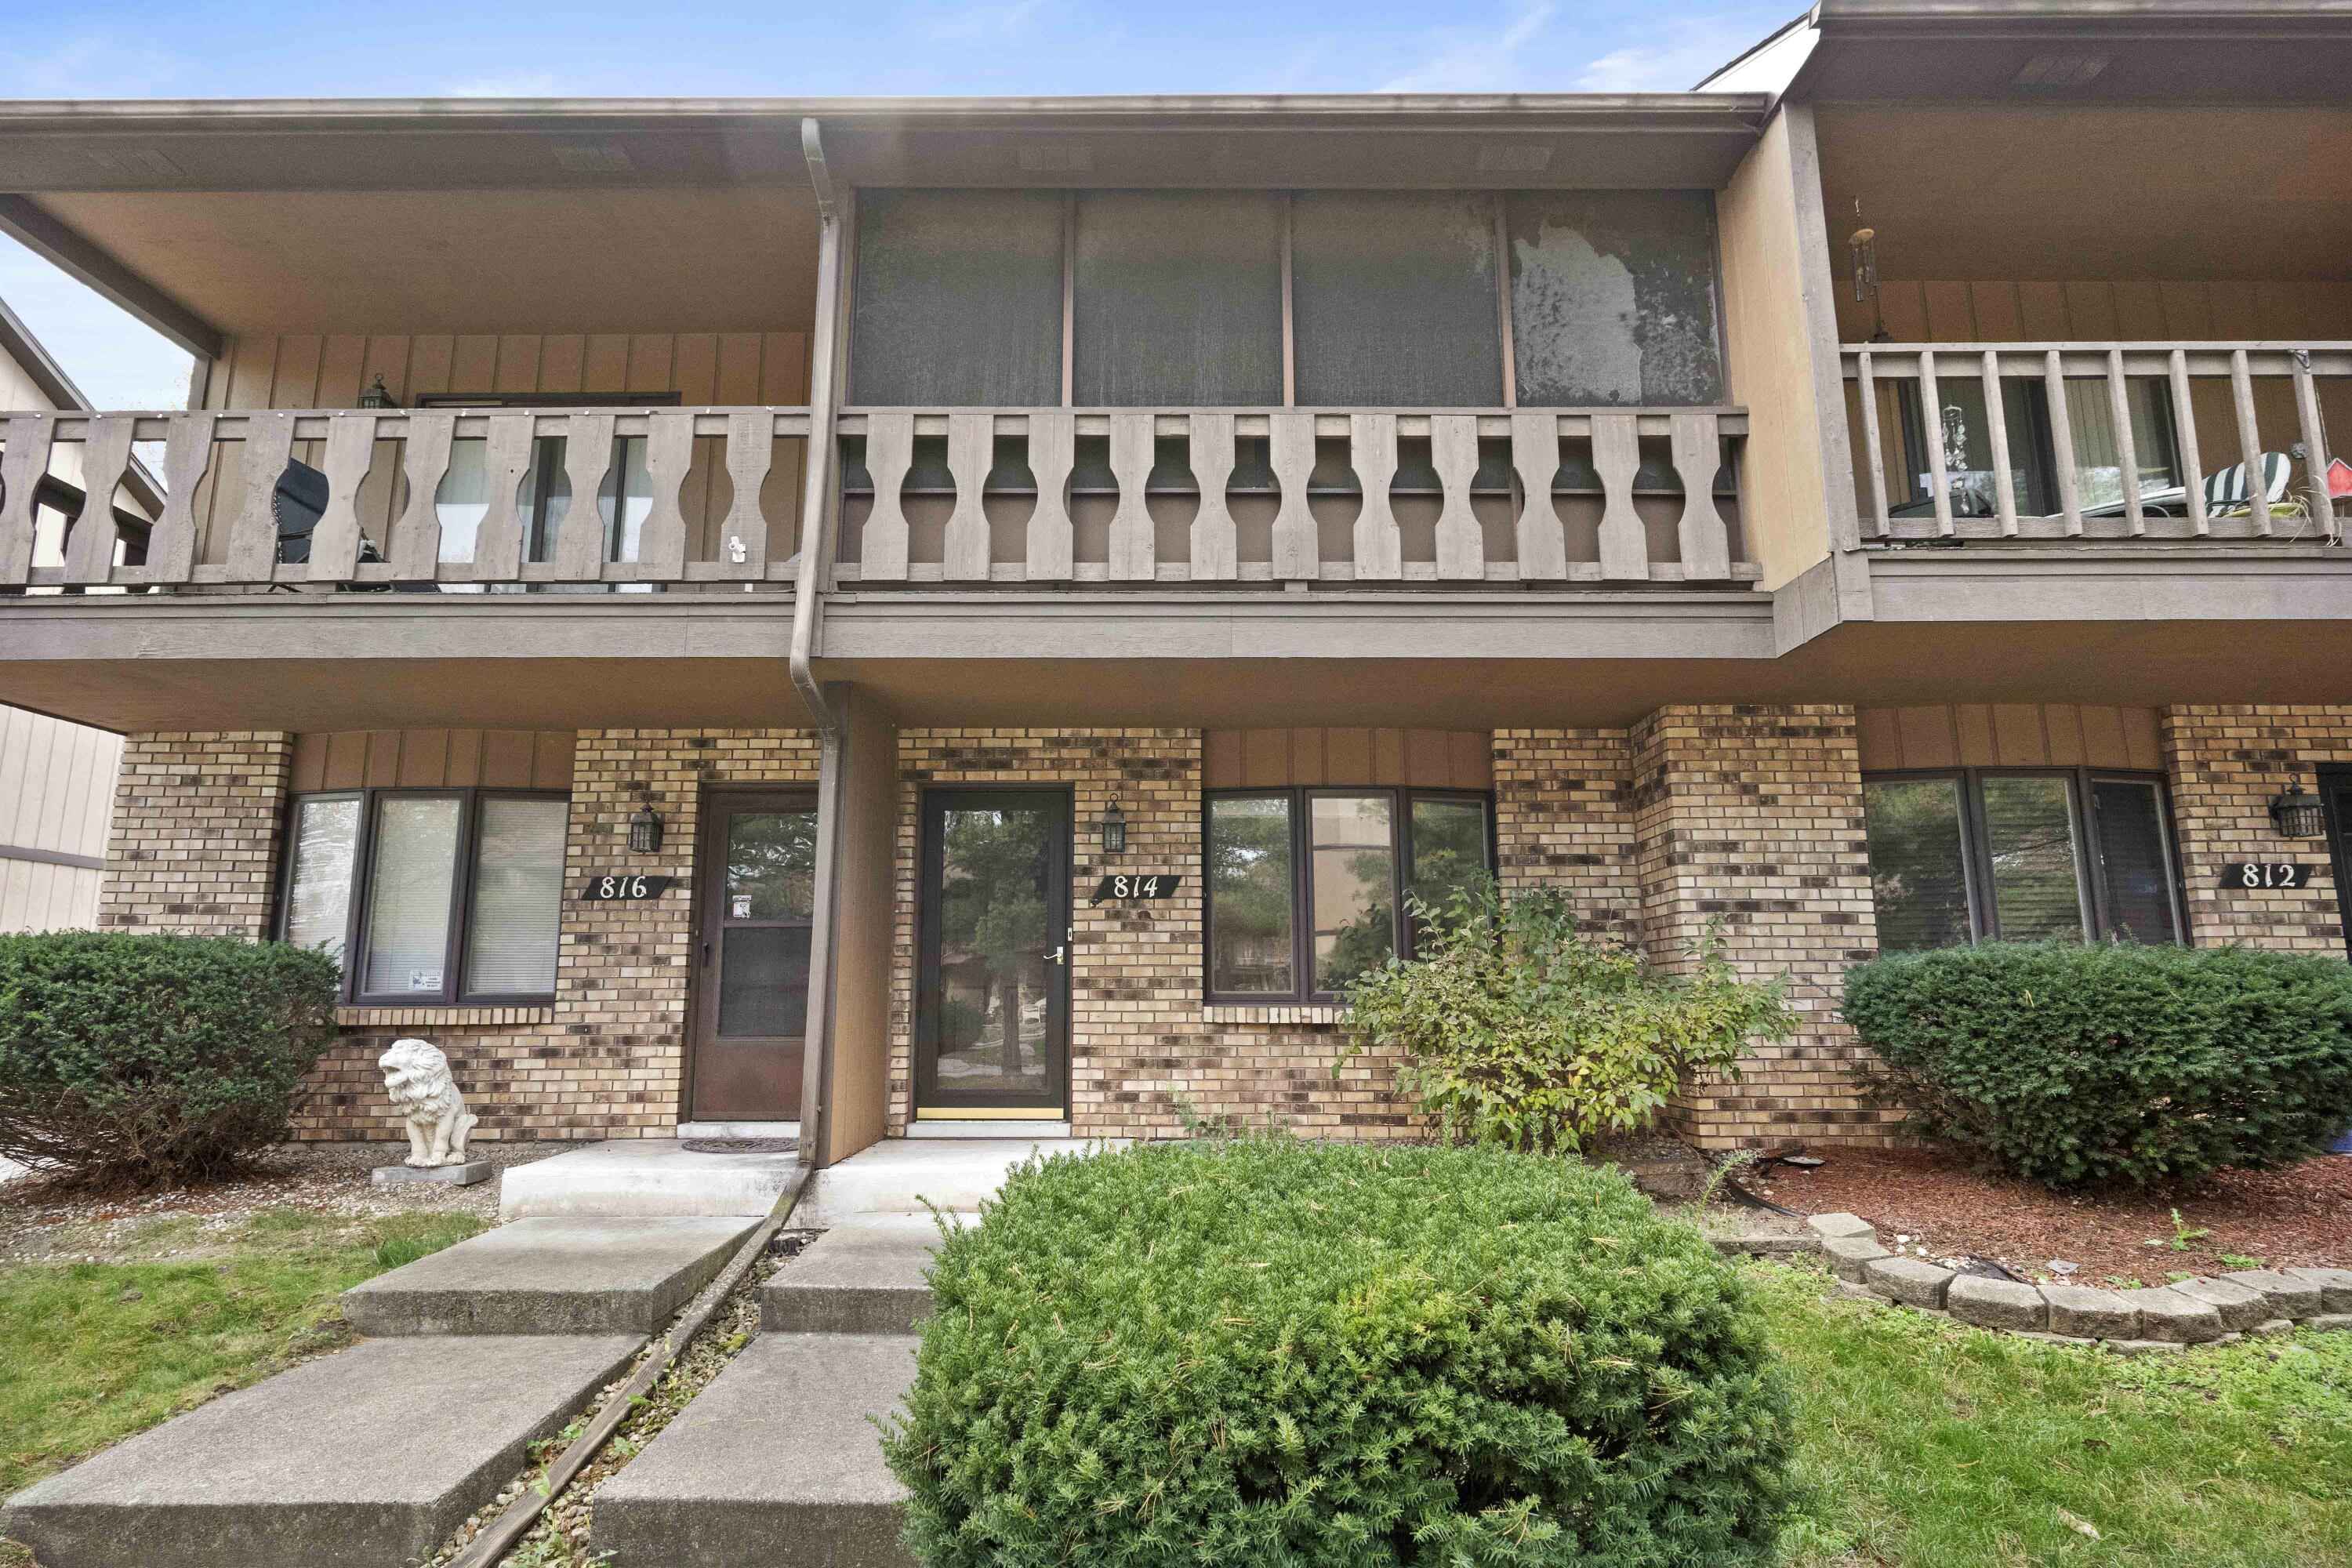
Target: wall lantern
pixel 378 396
pixel 1114 830
pixel 2297 814
pixel 645 828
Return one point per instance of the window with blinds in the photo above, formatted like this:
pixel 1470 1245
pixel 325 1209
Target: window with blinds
pixel 518 895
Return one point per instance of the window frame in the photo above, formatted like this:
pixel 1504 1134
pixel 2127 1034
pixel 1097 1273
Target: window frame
pixel 1304 992
pixel 2091 858
pixel 452 991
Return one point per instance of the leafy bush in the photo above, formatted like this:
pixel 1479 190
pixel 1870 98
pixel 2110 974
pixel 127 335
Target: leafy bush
pixel 1518 1030
pixel 143 1060
pixel 2071 1063
pixel 1265 1352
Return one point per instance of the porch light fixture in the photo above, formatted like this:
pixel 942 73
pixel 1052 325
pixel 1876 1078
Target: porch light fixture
pixel 1114 830
pixel 378 396
pixel 2297 814
pixel 645 828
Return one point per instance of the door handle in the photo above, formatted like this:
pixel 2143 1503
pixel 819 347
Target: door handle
pixel 705 951
pixel 1059 955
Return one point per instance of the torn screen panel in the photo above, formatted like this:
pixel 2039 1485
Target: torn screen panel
pixel 1613 299
pixel 959 299
pixel 1178 298
pixel 1393 300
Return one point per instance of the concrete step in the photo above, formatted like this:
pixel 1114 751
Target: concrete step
pixel 901 1180
pixel 773 1465
pixel 861 1280
pixel 365 1458
pixel 551 1276
pixel 649 1178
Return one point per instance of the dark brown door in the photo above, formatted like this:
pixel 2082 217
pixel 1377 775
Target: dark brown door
pixel 992 967
pixel 753 893
pixel 2336 793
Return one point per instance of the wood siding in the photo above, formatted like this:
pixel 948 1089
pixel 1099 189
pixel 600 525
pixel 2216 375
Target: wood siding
pixel 433 759
pixel 1421 759
pixel 703 369
pixel 2008 735
pixel 57 794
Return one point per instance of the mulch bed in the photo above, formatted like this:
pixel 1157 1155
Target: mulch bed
pixel 2301 1216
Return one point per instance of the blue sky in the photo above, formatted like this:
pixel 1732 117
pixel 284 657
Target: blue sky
pixel 742 47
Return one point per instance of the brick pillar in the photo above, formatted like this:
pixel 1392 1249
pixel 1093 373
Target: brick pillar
pixel 198 818
pixel 2226 765
pixel 1752 818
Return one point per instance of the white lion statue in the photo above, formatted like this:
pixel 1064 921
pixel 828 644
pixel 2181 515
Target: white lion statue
pixel 416 1076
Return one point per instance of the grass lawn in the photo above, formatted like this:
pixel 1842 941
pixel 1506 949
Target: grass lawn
pixel 1923 1442
pixel 91 1352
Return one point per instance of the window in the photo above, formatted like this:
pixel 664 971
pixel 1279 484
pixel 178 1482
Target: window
pixel 429 896
pixel 1304 885
pixel 2023 855
pixel 2033 453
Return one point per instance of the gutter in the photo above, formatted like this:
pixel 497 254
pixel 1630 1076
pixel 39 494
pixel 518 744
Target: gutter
pixel 832 729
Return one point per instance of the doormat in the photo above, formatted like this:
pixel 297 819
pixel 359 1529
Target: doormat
pixel 741 1145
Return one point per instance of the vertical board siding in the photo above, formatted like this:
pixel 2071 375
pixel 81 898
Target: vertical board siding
pixel 2007 735
pixel 432 759
pixel 56 795
pixel 1419 759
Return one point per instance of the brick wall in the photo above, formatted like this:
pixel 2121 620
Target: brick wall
pixel 1562 816
pixel 198 818
pixel 2226 765
pixel 1144 1050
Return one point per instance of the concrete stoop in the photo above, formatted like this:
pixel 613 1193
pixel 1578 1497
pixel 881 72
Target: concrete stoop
pixel 775 1465
pixel 551 1276
pixel 853 1281
pixel 365 1458
pixel 649 1178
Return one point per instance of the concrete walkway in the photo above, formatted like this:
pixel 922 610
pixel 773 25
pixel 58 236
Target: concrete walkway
pixel 552 1276
pixel 900 1181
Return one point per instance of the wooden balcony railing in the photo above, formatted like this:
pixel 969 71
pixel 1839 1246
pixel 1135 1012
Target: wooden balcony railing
pixel 2097 440
pixel 959 498
pixel 1357 497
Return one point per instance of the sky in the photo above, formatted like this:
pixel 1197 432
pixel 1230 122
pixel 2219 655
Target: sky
pixel 589 48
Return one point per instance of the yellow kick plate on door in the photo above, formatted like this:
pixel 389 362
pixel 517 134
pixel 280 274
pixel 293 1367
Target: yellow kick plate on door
pixel 997 1113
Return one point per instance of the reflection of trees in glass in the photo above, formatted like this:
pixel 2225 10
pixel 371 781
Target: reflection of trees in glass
pixel 1368 940
pixel 2030 836
pixel 1917 876
pixel 1249 894
pixel 992 905
pixel 772 859
pixel 1449 851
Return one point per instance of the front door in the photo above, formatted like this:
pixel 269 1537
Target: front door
pixel 992 965
pixel 755 889
pixel 2336 793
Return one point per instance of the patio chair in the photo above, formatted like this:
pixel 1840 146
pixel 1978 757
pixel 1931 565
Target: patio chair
pixel 298 501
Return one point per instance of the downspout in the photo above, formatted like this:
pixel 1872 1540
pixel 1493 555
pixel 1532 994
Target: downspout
pixel 816 515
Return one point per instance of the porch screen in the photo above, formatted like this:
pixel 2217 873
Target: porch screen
pixel 958 300
pixel 1178 298
pixel 518 892
pixel 1612 297
pixel 1394 300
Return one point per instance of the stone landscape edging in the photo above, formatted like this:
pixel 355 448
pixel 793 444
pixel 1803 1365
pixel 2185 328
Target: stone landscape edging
pixel 2201 1311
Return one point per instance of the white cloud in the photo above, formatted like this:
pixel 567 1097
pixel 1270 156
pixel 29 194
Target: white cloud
pixel 525 84
pixel 1473 59
pixel 1691 47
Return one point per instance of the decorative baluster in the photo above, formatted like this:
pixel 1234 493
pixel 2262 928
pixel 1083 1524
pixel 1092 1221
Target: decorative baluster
pixel 1703 538
pixel 497 542
pixel 1134 540
pixel 1373 445
pixel 416 547
pixel 1052 452
pixel 2004 483
pixel 2192 465
pixel 253 532
pixel 2126 448
pixel 579 547
pixel 171 542
pixel 1535 458
pixel 2249 444
pixel 1617 458
pixel 335 542
pixel 1297 543
pixel 1882 523
pixel 2061 440
pixel 1931 405
pixel 669 457
pixel 2314 444
pixel 1454 450
pixel 889 453
pixel 743 531
pixel 1216 548
pixel 971 438
pixel 21 469
pixel 105 454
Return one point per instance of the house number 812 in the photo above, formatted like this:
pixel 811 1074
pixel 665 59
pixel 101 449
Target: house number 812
pixel 2259 874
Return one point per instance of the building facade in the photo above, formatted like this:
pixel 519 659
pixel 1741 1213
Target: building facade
pixel 1063 576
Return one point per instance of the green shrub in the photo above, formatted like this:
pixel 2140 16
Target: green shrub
pixel 2073 1063
pixel 143 1060
pixel 1265 1352
pixel 1520 1030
